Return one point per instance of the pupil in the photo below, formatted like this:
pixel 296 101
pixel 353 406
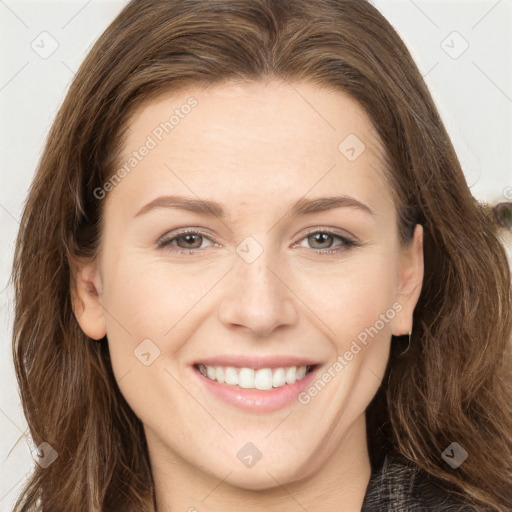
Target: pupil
pixel 318 237
pixel 189 238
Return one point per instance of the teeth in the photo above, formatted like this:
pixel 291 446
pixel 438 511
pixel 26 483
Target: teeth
pixel 278 377
pixel 263 379
pixel 291 375
pixel 210 372
pixel 246 378
pixel 301 372
pixel 230 376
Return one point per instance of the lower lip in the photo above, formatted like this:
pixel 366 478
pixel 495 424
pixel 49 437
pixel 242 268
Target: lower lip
pixel 254 400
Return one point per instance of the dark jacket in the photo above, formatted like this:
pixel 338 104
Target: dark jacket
pixel 400 486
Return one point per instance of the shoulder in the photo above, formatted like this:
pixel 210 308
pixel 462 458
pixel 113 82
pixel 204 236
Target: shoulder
pixel 401 486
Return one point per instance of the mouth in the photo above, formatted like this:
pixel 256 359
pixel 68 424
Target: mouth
pixel 262 379
pixel 255 384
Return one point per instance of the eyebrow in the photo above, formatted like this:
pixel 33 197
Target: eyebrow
pixel 303 206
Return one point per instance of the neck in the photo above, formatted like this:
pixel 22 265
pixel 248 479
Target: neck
pixel 339 484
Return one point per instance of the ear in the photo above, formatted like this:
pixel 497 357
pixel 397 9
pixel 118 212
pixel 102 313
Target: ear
pixel 410 282
pixel 86 299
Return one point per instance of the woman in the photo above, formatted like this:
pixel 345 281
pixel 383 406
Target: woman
pixel 194 347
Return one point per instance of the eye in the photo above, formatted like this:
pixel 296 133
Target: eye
pixel 187 242
pixel 322 241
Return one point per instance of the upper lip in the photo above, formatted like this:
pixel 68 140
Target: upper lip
pixel 246 361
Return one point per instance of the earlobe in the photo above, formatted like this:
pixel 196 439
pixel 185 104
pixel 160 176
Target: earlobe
pixel 410 283
pixel 86 300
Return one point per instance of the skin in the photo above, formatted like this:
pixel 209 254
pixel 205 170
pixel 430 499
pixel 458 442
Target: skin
pixel 254 148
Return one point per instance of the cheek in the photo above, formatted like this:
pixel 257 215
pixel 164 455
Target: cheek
pixel 352 295
pixel 146 298
pixel 144 331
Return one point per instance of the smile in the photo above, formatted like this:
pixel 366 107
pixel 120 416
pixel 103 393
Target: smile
pixel 263 379
pixel 255 384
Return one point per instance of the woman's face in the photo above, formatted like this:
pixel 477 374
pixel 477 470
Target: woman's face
pixel 270 282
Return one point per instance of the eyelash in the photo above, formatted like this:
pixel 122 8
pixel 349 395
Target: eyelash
pixel 346 245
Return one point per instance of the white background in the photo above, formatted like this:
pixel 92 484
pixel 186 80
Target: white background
pixel 473 93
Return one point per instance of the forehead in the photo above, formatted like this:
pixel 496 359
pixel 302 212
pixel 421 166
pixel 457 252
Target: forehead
pixel 260 140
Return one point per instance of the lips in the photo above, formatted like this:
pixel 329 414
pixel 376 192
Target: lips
pixel 255 383
pixel 256 362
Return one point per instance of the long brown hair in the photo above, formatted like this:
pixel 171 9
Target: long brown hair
pixel 454 382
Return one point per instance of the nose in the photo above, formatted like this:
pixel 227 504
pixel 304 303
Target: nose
pixel 258 297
